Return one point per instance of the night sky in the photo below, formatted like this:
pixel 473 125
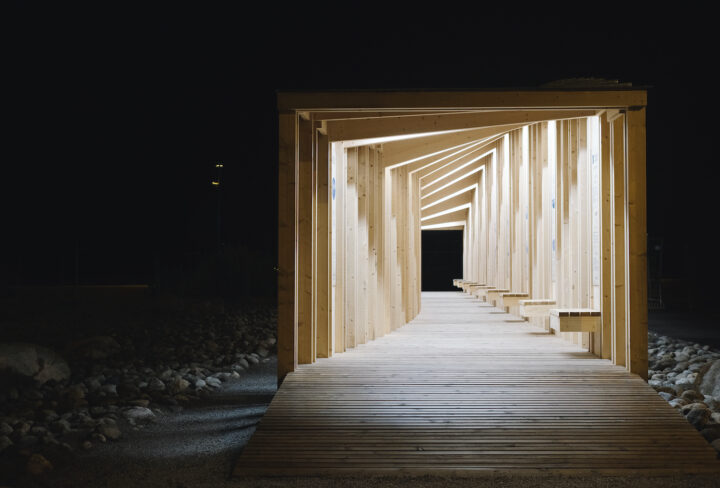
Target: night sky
pixel 115 118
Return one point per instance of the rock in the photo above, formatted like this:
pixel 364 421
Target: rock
pixel 156 384
pixel 94 348
pixel 698 416
pixel 243 362
pixel 61 426
pixel 74 396
pixel 677 402
pixel 711 432
pixel 37 465
pixel 665 396
pixel 200 384
pixel 692 396
pixel 709 379
pixel 33 361
pixel 5 429
pixel 139 413
pixel 179 385
pixel 213 382
pixel 687 381
pixel 110 431
pixel 109 389
pixel 253 359
pixel 99 437
pixel 716 444
pixel 261 351
pixel 5 442
pixel 87 445
pixel 716 417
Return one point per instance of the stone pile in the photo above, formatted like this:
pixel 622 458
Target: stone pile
pixel 96 387
pixel 687 376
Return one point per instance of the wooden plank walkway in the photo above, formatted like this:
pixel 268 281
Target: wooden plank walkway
pixel 466 388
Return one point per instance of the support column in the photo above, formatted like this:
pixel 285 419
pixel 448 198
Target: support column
pixel 637 234
pixel 287 319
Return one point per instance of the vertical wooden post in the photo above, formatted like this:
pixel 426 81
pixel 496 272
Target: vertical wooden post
pixel 617 135
pixel 372 245
pixel 323 278
pixel 339 311
pixel 361 313
pixel 606 283
pixel 304 198
pixel 637 361
pixel 287 320
pixel 351 247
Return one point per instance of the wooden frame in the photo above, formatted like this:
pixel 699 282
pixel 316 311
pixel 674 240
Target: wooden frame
pixel 500 203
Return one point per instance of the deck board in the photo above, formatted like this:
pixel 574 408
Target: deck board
pixel 464 388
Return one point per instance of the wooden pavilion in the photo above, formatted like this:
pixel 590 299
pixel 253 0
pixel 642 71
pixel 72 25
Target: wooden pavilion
pixel 548 186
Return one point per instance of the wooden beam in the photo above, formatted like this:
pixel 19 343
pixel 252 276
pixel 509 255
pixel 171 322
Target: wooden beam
pixel 455 216
pixel 637 245
pixel 425 123
pixel 370 115
pixel 400 153
pixel 304 271
pixel 470 164
pixel 323 280
pixel 287 321
pixel 459 184
pixel 464 198
pixel 467 100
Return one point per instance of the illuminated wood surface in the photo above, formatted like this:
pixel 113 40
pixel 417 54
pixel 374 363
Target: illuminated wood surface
pixel 466 388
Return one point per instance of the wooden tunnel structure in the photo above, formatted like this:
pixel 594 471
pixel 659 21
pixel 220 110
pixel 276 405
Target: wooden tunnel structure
pixel 548 187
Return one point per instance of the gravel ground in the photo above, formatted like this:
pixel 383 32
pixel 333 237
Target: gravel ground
pixel 195 447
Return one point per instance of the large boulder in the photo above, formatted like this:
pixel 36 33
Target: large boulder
pixel 33 361
pixel 709 379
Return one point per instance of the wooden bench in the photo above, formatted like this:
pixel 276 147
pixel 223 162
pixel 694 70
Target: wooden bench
pixel 536 307
pixel 482 290
pixel 575 320
pixel 493 296
pixel 511 301
pixel 466 284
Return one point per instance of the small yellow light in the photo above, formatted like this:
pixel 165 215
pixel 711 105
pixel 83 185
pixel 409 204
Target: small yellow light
pixel 215 183
pixel 218 165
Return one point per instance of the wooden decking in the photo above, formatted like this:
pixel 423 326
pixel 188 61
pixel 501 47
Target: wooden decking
pixel 465 388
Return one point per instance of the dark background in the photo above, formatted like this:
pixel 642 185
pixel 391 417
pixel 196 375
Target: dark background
pixel 115 117
pixel 442 253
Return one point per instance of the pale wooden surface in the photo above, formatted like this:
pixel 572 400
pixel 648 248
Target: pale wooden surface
pixel 465 388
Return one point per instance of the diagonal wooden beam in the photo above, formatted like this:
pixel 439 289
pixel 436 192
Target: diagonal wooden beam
pixel 445 218
pixel 346 130
pixel 455 170
pixel 454 185
pixel 464 198
pixel 400 153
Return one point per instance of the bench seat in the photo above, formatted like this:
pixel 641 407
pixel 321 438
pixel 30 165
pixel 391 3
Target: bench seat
pixel 575 320
pixel 536 307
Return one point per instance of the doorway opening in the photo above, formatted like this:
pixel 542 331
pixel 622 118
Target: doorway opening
pixel 442 259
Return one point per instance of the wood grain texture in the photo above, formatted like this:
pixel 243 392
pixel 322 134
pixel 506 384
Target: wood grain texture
pixel 466 388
